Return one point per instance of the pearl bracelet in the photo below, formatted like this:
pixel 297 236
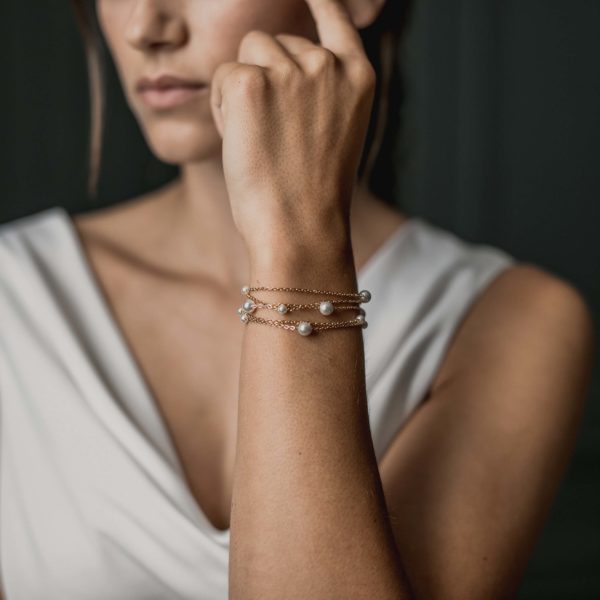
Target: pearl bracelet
pixel 325 307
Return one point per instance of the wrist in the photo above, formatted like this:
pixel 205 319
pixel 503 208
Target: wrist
pixel 322 264
pixel 303 237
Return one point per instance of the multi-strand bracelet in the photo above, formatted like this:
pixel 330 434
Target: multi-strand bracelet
pixel 347 301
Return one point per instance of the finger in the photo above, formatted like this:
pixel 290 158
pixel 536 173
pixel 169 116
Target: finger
pixel 260 48
pixel 336 29
pixel 295 44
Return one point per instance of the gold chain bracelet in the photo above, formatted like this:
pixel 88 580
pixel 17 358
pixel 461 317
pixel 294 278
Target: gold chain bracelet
pixel 362 296
pixel 303 327
pixel 325 307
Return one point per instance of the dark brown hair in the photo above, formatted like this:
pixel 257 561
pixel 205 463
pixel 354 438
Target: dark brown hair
pixel 381 40
pixel 378 166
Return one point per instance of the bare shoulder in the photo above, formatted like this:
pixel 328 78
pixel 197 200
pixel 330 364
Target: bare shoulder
pixel 485 454
pixel 525 309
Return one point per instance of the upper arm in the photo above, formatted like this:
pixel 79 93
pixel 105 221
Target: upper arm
pixel 470 479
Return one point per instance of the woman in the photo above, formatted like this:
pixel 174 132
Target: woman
pixel 155 444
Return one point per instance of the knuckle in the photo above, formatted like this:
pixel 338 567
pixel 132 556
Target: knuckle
pixel 249 39
pixel 250 79
pixel 252 35
pixel 326 57
pixel 319 59
pixel 363 73
pixel 223 69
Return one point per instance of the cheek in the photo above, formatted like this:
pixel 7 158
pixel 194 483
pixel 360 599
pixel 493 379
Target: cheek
pixel 215 29
pixel 112 19
pixel 217 32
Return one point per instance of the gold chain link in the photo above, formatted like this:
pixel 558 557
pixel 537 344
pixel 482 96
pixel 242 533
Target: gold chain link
pixel 308 291
pixel 291 324
pixel 292 307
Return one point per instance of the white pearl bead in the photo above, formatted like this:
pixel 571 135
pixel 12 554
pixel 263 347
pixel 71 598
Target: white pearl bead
pixel 282 309
pixel 249 306
pixel 241 310
pixel 365 295
pixel 245 289
pixel 326 308
pixel 244 318
pixel 304 328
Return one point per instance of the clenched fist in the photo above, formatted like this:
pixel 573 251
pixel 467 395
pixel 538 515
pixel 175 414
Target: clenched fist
pixel 293 116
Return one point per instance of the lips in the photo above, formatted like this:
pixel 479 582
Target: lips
pixel 167 81
pixel 168 91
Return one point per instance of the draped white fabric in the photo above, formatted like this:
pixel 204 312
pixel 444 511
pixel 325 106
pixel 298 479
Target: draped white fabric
pixel 93 502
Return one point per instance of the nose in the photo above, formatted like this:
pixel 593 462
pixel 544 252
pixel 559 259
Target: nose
pixel 156 24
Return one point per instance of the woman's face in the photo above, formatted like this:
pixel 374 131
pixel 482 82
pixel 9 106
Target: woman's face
pixel 187 39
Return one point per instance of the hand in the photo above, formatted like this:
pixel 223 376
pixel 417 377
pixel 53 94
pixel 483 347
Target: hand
pixel 293 116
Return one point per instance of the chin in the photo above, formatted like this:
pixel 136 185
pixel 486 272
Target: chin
pixel 182 143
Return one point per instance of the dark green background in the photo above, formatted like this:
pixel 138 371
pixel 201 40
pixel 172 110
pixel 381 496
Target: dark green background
pixel 501 145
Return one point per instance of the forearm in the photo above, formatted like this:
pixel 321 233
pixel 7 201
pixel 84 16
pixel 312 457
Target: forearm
pixel 308 513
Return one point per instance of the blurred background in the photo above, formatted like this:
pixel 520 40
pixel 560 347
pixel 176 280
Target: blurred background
pixel 500 143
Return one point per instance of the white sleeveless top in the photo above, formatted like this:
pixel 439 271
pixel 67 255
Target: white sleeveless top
pixel 93 500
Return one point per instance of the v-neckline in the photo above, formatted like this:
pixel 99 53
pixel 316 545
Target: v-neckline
pixel 364 275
